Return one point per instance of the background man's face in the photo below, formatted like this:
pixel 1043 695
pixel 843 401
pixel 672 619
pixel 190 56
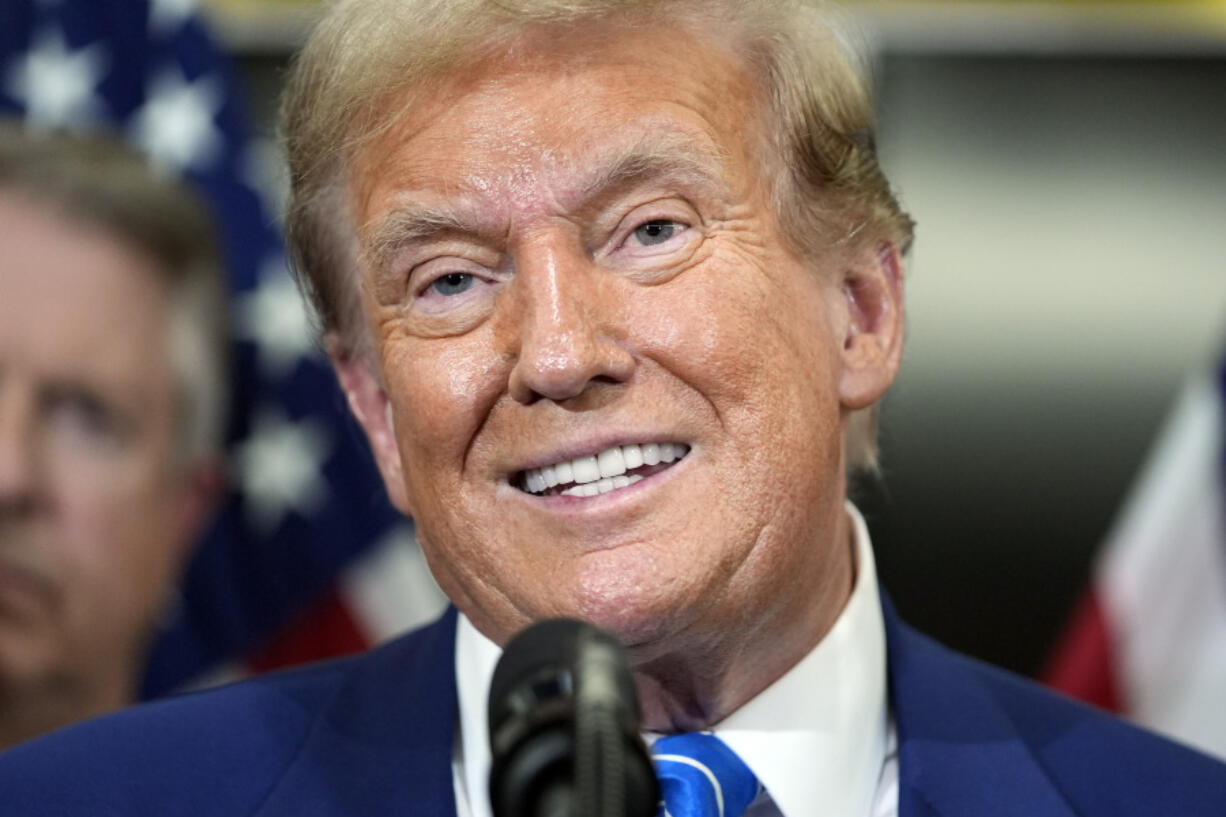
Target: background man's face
pixel 570 250
pixel 89 502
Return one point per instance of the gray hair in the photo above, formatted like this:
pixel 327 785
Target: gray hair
pixel 102 182
pixel 366 57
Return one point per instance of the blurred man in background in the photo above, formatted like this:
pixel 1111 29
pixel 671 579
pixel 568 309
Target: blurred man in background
pixel 305 558
pixel 112 387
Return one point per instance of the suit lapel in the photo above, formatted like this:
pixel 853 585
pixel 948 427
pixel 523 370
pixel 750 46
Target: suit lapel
pixel 383 745
pixel 959 754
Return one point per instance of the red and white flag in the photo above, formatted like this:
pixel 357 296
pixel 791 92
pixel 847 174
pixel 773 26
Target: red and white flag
pixel 384 593
pixel 1149 638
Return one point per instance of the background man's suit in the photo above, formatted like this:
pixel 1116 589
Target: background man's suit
pixel 373 735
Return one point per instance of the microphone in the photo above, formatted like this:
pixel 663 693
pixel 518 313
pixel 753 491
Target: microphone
pixel 564 727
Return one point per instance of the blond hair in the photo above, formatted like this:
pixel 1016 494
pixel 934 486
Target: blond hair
pixel 827 187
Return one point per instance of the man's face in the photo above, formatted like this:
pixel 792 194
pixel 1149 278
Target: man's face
pixel 569 251
pixel 90 503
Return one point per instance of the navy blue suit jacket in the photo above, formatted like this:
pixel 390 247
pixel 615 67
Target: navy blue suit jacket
pixel 372 736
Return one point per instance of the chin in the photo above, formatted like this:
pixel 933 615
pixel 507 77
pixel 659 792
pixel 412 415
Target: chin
pixel 637 594
pixel 639 617
pixel 631 625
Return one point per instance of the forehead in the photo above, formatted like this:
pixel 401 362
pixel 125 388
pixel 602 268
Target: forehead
pixel 532 124
pixel 76 303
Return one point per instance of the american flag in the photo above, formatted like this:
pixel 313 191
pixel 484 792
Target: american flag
pixel 306 559
pixel 1149 637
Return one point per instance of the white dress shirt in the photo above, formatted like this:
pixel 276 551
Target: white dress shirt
pixel 820 738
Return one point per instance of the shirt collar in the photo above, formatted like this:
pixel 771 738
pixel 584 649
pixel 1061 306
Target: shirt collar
pixel 476 657
pixel 816 737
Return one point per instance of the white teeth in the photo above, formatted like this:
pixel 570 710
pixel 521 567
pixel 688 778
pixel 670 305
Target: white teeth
pixel 594 488
pixel 633 455
pixel 586 470
pixel 611 463
pixel 603 472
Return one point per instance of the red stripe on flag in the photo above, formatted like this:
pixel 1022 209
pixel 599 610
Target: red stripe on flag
pixel 1083 664
pixel 326 630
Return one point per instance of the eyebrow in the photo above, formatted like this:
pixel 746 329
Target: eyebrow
pixel 658 156
pixel 406 225
pixel 672 157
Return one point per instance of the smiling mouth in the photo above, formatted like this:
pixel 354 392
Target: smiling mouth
pixel 618 467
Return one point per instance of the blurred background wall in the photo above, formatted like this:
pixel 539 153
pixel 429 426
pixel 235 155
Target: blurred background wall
pixel 1066 163
pixel 1067 276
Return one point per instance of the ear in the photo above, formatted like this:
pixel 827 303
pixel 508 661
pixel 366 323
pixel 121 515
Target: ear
pixel 368 401
pixel 200 492
pixel 872 289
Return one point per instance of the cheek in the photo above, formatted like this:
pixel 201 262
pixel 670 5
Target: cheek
pixel 94 514
pixel 440 391
pixel 134 528
pixel 760 348
pixel 762 355
pixel 119 557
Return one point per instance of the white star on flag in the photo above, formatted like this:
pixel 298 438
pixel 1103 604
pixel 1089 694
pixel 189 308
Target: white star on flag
pixel 168 16
pixel 57 85
pixel 273 317
pixel 175 126
pixel 280 467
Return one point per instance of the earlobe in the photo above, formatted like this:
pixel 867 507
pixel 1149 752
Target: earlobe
pixel 872 343
pixel 203 488
pixel 368 401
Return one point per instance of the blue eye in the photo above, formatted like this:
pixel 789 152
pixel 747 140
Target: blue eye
pixel 655 232
pixel 452 284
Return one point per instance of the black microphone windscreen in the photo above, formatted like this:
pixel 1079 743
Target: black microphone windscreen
pixel 535 651
pixel 563 723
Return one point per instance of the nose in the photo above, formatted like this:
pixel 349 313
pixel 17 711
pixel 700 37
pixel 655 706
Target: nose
pixel 570 325
pixel 16 452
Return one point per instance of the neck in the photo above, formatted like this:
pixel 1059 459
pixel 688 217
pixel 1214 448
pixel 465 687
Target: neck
pixel 726 666
pixel 28 710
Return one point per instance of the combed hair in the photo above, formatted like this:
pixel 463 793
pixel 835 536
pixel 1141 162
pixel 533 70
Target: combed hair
pixel 101 182
pixel 367 59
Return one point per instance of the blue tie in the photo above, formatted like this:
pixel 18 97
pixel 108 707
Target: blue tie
pixel 701 777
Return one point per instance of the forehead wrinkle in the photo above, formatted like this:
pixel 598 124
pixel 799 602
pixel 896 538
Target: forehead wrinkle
pixel 573 181
pixel 672 156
